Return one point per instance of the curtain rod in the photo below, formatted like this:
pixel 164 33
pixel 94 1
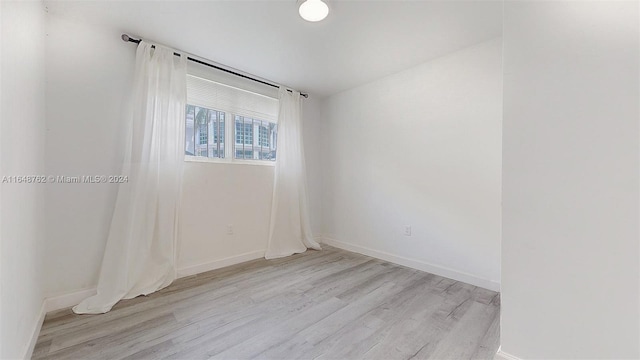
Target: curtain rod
pixel 127 38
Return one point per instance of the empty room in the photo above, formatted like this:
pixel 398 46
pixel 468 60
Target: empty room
pixel 320 179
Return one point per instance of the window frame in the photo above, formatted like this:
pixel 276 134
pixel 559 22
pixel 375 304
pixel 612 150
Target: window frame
pixel 212 91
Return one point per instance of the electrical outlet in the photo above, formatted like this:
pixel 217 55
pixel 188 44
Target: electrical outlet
pixel 407 230
pixel 230 229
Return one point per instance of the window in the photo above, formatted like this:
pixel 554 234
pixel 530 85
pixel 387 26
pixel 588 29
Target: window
pixel 264 146
pixel 263 136
pixel 204 133
pixel 216 112
pixel 218 131
pixel 244 131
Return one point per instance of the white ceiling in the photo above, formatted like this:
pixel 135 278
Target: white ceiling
pixel 360 41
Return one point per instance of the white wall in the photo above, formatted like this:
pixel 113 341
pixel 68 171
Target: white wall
pixel 570 180
pixel 420 148
pixel 215 195
pixel 22 144
pixel 88 80
pixel 312 127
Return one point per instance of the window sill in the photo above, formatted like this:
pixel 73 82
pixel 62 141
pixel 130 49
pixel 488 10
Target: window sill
pixel 202 159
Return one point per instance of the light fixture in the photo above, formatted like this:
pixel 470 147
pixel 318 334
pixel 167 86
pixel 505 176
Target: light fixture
pixel 313 10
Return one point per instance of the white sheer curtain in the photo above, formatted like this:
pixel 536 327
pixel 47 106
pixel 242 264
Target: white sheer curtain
pixel 290 229
pixel 140 255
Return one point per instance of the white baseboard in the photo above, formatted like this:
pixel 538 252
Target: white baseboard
pixel 36 332
pixel 64 301
pixel 217 264
pixel 416 264
pixel 501 355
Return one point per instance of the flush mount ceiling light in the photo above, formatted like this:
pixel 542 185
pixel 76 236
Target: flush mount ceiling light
pixel 313 10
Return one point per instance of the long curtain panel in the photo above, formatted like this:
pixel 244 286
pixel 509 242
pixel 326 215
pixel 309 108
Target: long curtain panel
pixel 140 254
pixel 290 229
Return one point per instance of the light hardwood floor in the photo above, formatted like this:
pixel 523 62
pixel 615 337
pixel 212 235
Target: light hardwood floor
pixel 329 304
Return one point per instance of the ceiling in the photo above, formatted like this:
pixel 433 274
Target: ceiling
pixel 360 41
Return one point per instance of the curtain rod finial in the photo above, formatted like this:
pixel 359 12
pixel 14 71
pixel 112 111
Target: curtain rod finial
pixel 127 38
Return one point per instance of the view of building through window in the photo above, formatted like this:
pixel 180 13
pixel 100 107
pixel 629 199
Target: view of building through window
pixel 205 135
pixel 261 146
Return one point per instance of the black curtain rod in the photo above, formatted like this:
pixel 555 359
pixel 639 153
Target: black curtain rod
pixel 126 37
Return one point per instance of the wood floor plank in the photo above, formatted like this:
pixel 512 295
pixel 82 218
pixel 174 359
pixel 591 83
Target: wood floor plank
pixel 490 341
pixel 359 337
pixel 463 341
pixel 254 319
pixel 329 304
